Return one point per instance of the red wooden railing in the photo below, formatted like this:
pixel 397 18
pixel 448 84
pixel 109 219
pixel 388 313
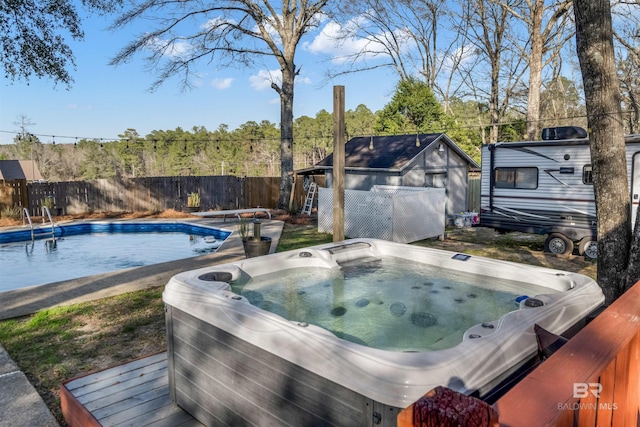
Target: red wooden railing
pixel 593 380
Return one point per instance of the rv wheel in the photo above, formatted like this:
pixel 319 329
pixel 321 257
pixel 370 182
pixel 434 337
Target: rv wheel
pixel 558 244
pixel 588 247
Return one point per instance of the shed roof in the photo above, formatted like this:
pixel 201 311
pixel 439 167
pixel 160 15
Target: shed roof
pixel 389 152
pixel 20 169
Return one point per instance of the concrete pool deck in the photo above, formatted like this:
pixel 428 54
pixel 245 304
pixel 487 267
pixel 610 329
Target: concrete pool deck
pixel 20 403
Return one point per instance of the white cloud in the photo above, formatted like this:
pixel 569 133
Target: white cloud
pixel 79 107
pixel 175 49
pixel 222 84
pixel 461 56
pixel 264 78
pixel 339 42
pixel 217 22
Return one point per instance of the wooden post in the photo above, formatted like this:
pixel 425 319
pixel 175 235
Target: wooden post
pixel 444 407
pixel 338 163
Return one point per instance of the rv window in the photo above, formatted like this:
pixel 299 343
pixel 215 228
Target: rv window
pixel 587 174
pixel 525 178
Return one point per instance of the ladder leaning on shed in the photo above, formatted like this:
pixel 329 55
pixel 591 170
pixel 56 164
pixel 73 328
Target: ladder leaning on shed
pixel 308 202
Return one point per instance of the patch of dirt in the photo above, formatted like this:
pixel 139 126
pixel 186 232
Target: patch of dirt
pixel 518 247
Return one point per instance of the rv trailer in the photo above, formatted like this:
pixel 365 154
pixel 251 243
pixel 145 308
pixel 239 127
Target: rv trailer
pixel 546 187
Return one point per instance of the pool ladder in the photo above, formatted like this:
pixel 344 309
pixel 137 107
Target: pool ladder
pixel 53 230
pixel 25 214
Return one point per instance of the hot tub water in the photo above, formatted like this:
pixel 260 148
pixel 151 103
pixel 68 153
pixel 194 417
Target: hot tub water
pixel 389 303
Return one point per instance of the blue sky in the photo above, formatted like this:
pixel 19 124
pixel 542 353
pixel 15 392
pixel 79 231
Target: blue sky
pixel 104 100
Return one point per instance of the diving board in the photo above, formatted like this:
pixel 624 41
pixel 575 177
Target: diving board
pixel 234 212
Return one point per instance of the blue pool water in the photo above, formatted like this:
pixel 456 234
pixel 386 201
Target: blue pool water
pixel 86 249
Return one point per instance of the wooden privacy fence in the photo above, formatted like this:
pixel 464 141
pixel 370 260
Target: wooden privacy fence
pixel 153 194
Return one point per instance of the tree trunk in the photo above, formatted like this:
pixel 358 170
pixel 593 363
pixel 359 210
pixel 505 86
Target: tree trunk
pixel 594 45
pixel 494 101
pixel 286 135
pixel 535 73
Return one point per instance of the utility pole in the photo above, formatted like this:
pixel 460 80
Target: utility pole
pixel 338 163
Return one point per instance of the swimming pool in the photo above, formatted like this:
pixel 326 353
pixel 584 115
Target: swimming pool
pixel 364 328
pixel 88 248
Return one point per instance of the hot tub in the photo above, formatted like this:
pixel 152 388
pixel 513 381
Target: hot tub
pixel 350 333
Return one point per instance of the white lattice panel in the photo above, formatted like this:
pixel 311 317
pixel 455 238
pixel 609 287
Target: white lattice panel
pixel 401 214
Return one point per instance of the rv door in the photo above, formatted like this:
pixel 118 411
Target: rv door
pixel 635 187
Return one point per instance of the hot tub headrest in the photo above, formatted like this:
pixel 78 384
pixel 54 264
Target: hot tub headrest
pixel 216 276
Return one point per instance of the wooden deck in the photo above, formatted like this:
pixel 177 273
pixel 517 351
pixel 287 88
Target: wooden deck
pixel 136 393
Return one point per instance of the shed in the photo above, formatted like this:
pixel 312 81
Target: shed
pixel 14 175
pixel 19 169
pixel 422 160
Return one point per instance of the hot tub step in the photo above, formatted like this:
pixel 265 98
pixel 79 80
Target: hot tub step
pixel 136 393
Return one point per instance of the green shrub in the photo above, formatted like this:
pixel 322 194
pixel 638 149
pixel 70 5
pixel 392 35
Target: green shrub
pixel 13 212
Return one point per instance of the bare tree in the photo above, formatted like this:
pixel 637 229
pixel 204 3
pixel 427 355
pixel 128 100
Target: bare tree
pixel 629 75
pixel 561 104
pixel 492 34
pixel 626 21
pixel 24 123
pixel 547 32
pixel 227 33
pixel 407 36
pixel 618 264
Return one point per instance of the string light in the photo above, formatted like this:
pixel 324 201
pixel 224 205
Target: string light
pixel 443 129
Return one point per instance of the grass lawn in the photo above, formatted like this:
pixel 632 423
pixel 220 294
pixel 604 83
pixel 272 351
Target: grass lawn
pixel 58 344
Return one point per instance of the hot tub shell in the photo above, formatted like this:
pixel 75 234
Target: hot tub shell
pixel 232 363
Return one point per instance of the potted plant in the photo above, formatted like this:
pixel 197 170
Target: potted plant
pixel 193 202
pixel 50 203
pixel 254 244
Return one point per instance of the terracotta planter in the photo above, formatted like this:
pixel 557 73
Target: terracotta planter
pixel 255 248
